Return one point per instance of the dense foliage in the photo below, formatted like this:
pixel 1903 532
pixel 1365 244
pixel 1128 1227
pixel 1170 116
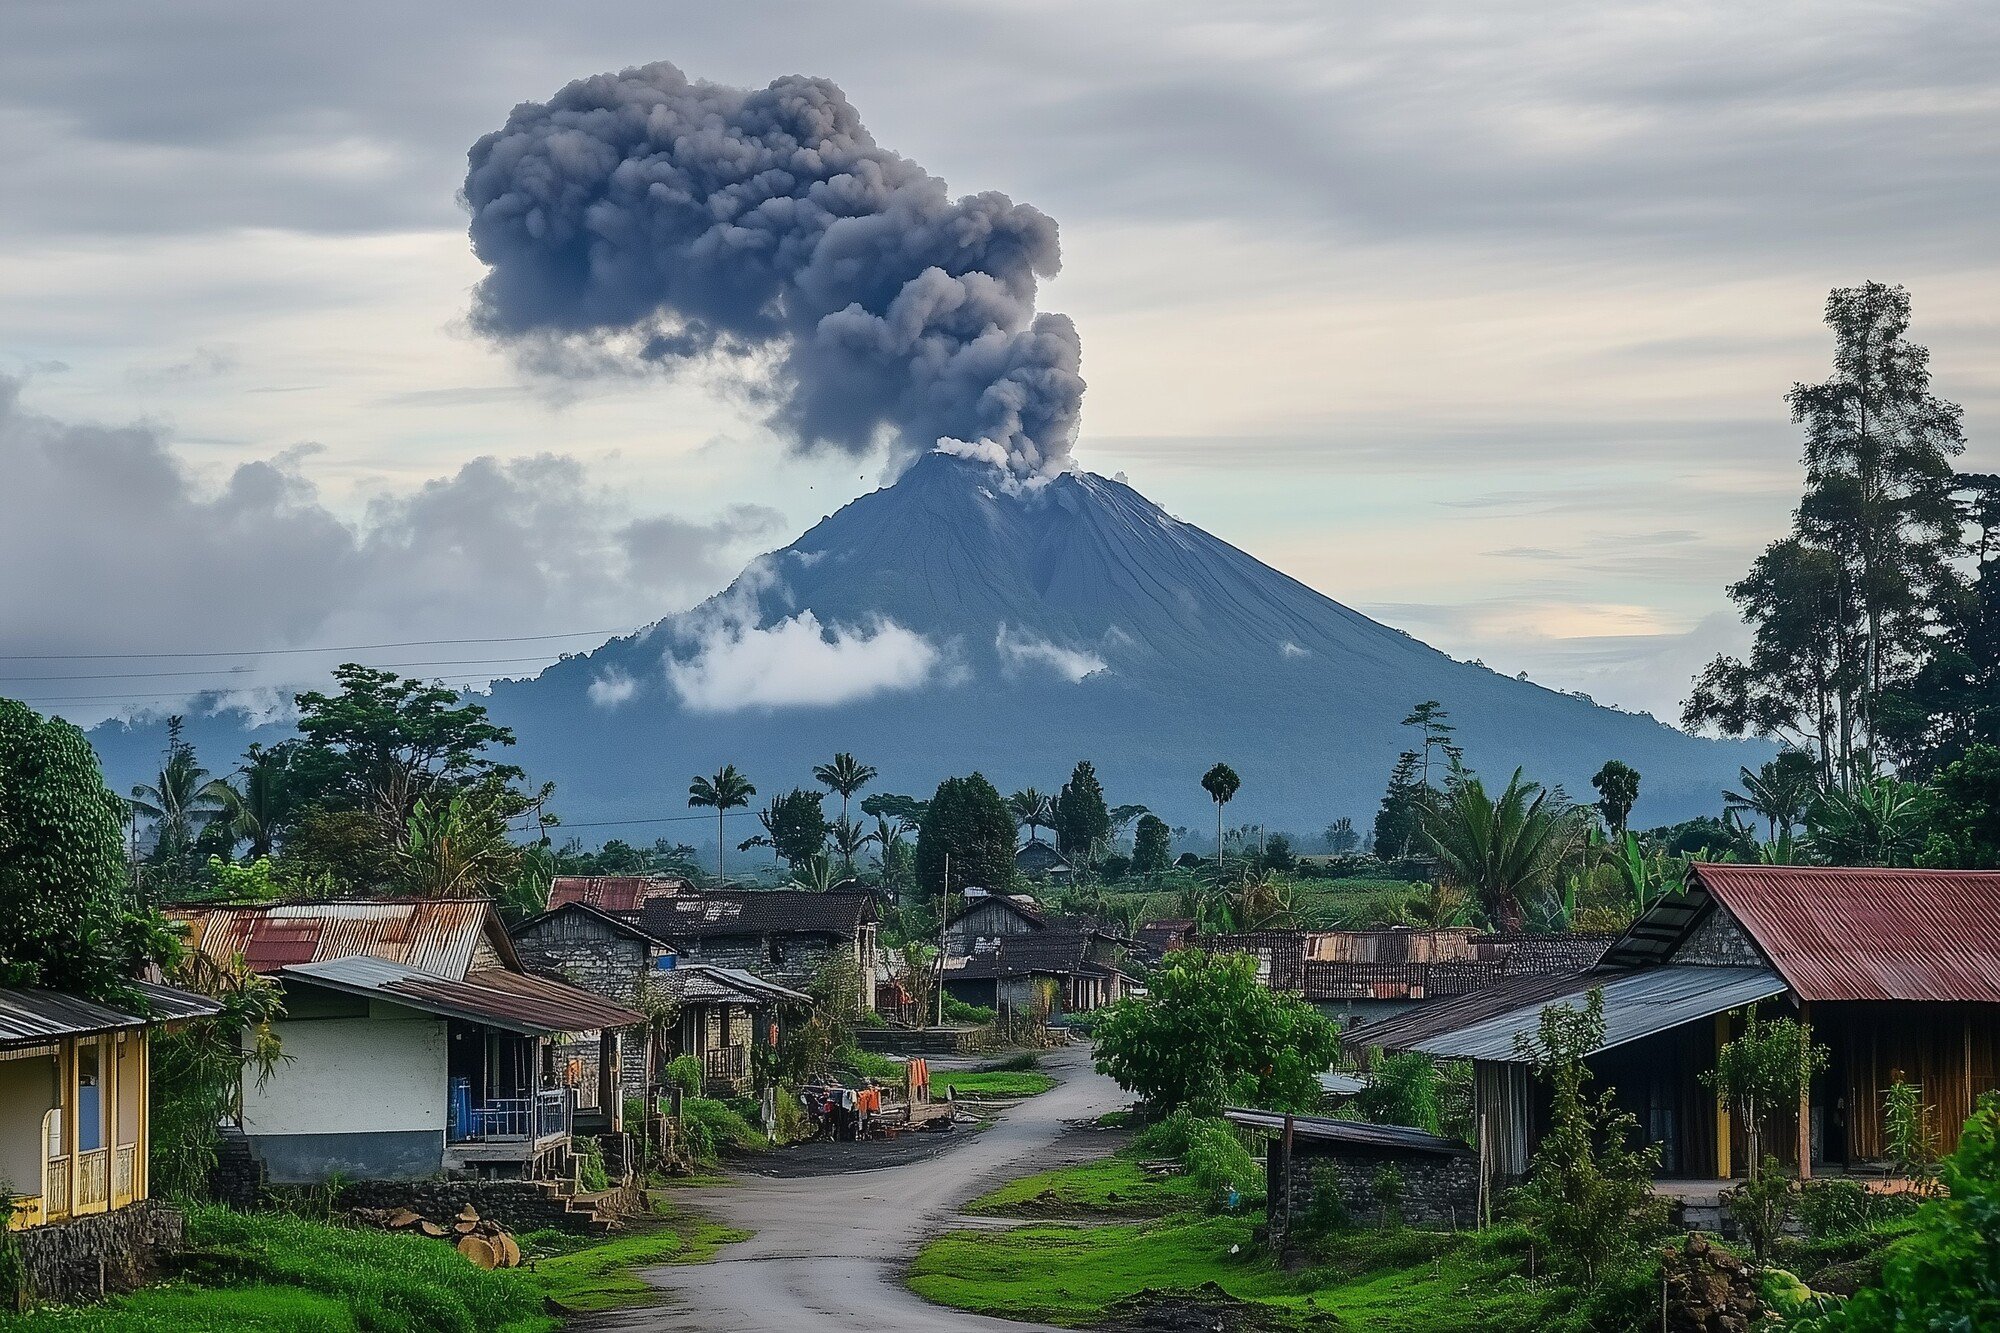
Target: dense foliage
pixel 1207 1035
pixel 968 821
pixel 71 920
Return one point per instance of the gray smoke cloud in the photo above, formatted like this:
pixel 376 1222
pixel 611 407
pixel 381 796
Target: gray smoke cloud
pixel 656 220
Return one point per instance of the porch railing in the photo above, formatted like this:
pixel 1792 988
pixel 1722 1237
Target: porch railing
pixel 55 1187
pixel 536 1117
pixel 93 1179
pixel 731 1064
pixel 124 1173
pixel 552 1112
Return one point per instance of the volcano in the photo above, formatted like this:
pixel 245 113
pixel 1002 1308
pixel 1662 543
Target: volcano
pixel 957 620
pixel 960 619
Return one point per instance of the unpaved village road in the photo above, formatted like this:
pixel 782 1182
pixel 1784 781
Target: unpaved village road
pixel 828 1248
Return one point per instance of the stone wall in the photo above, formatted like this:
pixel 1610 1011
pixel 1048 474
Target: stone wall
pixel 789 960
pixel 1440 1191
pixel 91 1256
pixel 1719 942
pixel 586 953
pixel 518 1205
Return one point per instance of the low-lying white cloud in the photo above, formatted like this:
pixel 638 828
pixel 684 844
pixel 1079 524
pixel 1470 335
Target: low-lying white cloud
pixel 798 662
pixel 1288 649
pixel 1021 649
pixel 612 688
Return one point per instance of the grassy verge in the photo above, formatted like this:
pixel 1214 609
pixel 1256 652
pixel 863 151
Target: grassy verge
pixel 1114 1186
pixel 990 1083
pixel 1075 1276
pixel 268 1271
pixel 604 1275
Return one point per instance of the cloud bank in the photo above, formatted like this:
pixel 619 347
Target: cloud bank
pixel 1020 649
pixel 643 219
pixel 798 662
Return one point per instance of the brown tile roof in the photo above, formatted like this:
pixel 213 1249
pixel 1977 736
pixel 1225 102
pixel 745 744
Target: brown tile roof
pixel 613 893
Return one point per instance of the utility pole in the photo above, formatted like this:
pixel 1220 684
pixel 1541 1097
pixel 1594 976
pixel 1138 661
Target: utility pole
pixel 944 922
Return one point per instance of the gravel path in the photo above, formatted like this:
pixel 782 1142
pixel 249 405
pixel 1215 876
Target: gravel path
pixel 828 1249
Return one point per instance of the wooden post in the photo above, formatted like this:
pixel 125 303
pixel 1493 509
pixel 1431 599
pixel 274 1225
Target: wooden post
pixel 1805 1104
pixel 1285 1174
pixel 609 1089
pixel 1722 1127
pixel 109 1094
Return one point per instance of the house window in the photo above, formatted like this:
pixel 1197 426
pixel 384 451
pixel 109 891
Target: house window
pixel 775 950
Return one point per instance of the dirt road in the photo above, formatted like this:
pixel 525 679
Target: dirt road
pixel 828 1248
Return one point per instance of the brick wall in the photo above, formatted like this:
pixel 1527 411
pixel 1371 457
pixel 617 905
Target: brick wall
pixel 1439 1191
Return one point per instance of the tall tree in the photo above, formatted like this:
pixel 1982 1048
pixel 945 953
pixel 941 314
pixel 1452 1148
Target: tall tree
pixel 71 919
pixel 181 801
pixel 1617 787
pixel 1952 702
pixel 968 821
pixel 1777 793
pixel 1152 846
pixel 457 848
pixel 1221 784
pixel 1844 608
pixel 1341 836
pixel 1430 718
pixel 795 827
pixel 727 790
pixel 847 838
pixel 1032 810
pixel 845 776
pixel 1083 820
pixel 259 804
pixel 1400 821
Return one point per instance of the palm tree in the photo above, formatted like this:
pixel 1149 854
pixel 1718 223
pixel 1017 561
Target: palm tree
pixel 256 809
pixel 848 839
pixel 845 775
pixel 1499 849
pixel 1879 822
pixel 1263 902
pixel 815 875
pixel 182 800
pixel 1777 793
pixel 727 790
pixel 1221 784
pixel 1032 810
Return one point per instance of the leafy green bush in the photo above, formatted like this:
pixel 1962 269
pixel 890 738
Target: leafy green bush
pixel 1019 1064
pixel 1402 1090
pixel 1210 1150
pixel 1833 1208
pixel 958 1011
pixel 683 1072
pixel 872 1064
pixel 589 1153
pixel 708 1126
pixel 1761 1206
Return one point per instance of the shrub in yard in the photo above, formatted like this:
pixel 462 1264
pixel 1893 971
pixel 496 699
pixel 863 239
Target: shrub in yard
pixel 683 1072
pixel 1402 1090
pixel 1210 1150
pixel 1761 1206
pixel 958 1011
pixel 708 1126
pixel 1946 1275
pixel 1830 1208
pixel 1387 1188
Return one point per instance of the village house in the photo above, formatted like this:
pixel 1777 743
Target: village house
pixel 783 935
pixel 1044 973
pixel 614 893
pixel 1896 971
pixel 722 1016
pixel 415 1043
pixel 75 1134
pixel 609 956
pixel 1358 976
pixel 985 918
pixel 1039 862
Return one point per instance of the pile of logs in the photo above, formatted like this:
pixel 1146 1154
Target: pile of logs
pixel 485 1243
pixel 1708 1290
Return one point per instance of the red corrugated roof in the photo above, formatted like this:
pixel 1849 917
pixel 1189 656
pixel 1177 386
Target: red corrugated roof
pixel 1863 934
pixel 613 893
pixel 441 936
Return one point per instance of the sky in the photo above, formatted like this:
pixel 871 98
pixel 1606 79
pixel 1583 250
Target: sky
pixel 1477 318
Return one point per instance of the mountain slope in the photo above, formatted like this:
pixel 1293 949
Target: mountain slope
pixel 949 622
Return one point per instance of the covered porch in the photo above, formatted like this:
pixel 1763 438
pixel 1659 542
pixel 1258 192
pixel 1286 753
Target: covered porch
pixel 725 1015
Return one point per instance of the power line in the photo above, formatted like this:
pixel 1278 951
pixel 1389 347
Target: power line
pixel 334 648
pixel 113 698
pixel 658 819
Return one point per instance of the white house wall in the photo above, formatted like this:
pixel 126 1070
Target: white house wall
pixel 363 1098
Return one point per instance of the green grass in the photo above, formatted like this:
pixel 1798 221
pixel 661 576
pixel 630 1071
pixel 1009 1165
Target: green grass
pixel 282 1272
pixel 1405 1282
pixel 990 1083
pixel 1111 1186
pixel 603 1276
pixel 268 1271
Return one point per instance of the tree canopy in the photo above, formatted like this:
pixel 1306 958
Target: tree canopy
pixel 969 821
pixel 1082 819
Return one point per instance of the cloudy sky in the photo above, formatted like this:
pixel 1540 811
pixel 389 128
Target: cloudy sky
pixel 1475 317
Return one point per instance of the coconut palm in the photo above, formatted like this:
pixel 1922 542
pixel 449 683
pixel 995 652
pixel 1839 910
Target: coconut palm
pixel 845 775
pixel 1500 849
pixel 182 800
pixel 1221 784
pixel 727 790
pixel 848 838
pixel 1777 793
pixel 1032 810
pixel 257 806
pixel 815 875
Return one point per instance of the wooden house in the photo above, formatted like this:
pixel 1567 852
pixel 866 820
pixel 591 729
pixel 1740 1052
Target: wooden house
pixel 1896 971
pixel 1046 972
pixel 722 1017
pixel 74 1119
pixel 1039 862
pixel 983 919
pixel 416 1044
pixel 782 935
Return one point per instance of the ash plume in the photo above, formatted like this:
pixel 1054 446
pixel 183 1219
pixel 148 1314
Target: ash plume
pixel 650 220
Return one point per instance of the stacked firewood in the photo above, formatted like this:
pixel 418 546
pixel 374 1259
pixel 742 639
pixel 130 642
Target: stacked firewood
pixel 485 1243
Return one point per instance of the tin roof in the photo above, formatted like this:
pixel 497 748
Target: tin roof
pixel 30 1016
pixel 726 985
pixel 1358 1133
pixel 623 925
pixel 1867 934
pixel 1636 1004
pixel 614 893
pixel 755 912
pixel 535 1006
pixel 436 935
pixel 1401 1031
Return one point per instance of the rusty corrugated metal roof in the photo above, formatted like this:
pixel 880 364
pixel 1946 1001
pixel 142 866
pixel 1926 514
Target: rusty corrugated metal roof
pixel 30 1016
pixel 441 936
pixel 613 893
pixel 496 997
pixel 1836 933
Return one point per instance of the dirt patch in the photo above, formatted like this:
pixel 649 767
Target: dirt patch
pixel 1206 1309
